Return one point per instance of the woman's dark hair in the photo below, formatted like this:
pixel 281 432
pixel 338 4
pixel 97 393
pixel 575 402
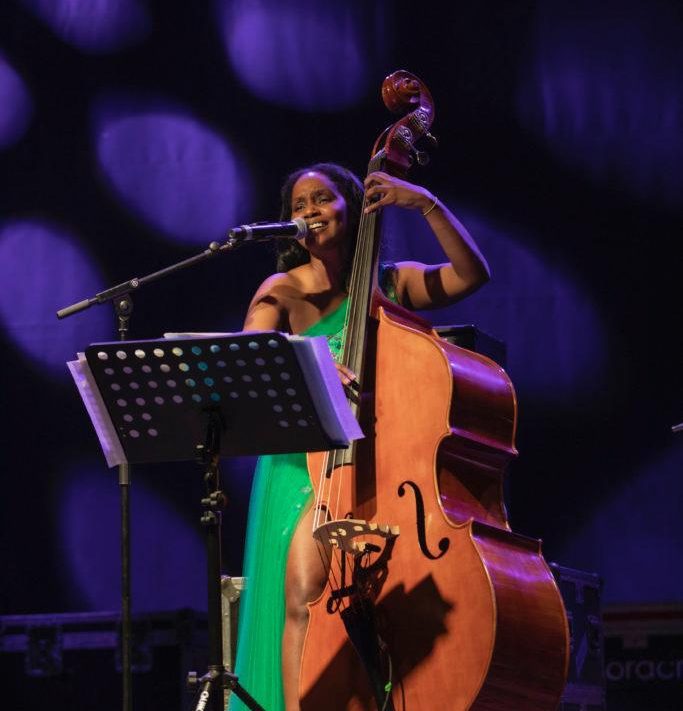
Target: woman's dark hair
pixel 290 253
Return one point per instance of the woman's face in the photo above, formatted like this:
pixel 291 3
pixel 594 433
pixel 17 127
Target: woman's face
pixel 317 200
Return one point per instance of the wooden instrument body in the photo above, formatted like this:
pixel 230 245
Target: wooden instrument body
pixel 469 611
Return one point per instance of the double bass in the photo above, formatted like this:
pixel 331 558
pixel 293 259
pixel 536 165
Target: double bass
pixel 432 602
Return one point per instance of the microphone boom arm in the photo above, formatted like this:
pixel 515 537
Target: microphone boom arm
pixel 255 232
pixel 134 284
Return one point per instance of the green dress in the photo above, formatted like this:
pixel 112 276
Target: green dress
pixel 280 493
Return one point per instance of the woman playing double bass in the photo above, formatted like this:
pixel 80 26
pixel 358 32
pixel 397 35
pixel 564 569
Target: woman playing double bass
pixel 309 295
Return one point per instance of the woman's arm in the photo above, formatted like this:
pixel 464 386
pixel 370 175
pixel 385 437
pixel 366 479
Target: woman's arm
pixel 422 286
pixel 266 311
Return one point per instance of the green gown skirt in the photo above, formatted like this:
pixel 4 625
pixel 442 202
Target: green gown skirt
pixel 281 492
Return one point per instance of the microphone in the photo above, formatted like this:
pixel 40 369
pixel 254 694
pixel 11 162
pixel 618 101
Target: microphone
pixel 296 228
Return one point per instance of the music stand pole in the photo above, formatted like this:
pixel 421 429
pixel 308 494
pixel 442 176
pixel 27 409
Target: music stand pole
pixel 217 678
pixel 124 307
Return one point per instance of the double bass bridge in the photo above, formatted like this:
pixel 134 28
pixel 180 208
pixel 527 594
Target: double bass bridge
pixel 345 534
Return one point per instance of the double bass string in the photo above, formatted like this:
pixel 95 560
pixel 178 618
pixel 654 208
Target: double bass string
pixel 360 283
pixel 357 314
pixel 325 557
pixel 325 552
pixel 350 321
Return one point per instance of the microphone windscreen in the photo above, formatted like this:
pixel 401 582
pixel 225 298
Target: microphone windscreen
pixel 302 227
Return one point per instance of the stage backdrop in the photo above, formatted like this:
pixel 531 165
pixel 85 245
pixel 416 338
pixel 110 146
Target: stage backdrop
pixel 134 133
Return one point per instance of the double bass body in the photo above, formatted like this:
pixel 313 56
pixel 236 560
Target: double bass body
pixel 461 612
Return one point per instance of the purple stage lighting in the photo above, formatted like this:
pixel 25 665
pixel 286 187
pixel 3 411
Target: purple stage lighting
pixel 306 55
pixel 635 540
pixel 554 335
pixel 94 27
pixel 43 268
pixel 168 557
pixel 177 175
pixel 602 85
pixel 15 105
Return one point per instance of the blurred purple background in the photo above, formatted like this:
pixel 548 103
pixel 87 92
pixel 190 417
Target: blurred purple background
pixel 134 133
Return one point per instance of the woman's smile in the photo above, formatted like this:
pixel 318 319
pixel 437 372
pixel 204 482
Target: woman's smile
pixel 317 200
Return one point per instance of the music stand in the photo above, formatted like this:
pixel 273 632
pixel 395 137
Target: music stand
pixel 211 396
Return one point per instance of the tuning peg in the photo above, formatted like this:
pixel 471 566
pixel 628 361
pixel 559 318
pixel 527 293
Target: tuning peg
pixel 422 157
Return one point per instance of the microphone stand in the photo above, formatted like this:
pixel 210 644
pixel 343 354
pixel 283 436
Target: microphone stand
pixel 120 295
pixel 123 307
pixel 125 288
pixel 256 232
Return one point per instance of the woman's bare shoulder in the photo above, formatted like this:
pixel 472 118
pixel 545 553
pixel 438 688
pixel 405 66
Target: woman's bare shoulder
pixel 279 284
pixel 270 305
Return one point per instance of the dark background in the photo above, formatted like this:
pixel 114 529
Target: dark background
pixel 559 147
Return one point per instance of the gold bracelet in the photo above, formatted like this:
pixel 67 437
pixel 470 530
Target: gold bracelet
pixel 430 208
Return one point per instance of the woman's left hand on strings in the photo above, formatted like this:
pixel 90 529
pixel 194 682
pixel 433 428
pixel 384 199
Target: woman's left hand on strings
pixel 382 189
pixel 346 375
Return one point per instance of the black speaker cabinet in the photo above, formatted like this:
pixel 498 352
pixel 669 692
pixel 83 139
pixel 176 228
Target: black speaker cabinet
pixel 581 593
pixel 69 661
pixel 644 657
